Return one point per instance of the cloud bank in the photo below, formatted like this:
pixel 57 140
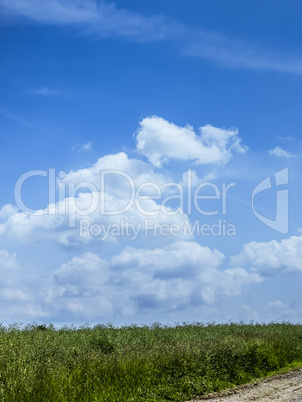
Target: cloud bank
pixel 135 283
pixel 121 278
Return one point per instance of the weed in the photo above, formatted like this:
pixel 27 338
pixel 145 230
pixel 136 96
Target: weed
pixel 140 363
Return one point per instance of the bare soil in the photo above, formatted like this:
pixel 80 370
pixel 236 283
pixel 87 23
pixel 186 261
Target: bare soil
pixel 282 387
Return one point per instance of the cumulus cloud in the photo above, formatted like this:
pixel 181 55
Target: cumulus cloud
pixel 120 200
pixel 118 189
pixel 194 265
pixel 38 226
pixel 16 299
pixel 160 141
pixel 279 152
pixel 7 210
pixel 270 258
pixel 88 271
pixel 136 170
pixel 133 284
pixel 8 261
pixel 84 224
pixel 166 262
pixel 137 281
pixel 158 274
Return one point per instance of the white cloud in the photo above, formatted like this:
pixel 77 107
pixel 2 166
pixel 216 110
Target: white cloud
pixel 167 261
pixel 82 147
pixel 87 146
pixel 9 294
pixel 160 141
pixel 137 170
pixel 61 222
pixel 32 228
pixel 83 223
pixel 196 267
pixel 238 53
pixel 7 210
pixel 130 185
pixel 134 284
pixel 269 258
pixel 279 311
pixel 279 152
pixel 155 277
pixel 286 138
pixel 8 261
pixel 144 281
pixel 277 304
pixel 88 270
pixel 45 91
pixel 15 297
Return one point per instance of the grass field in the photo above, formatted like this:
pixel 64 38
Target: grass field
pixel 140 363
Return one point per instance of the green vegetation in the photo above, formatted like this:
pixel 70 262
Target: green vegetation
pixel 140 363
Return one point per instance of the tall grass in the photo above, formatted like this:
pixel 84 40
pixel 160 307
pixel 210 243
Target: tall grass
pixel 139 363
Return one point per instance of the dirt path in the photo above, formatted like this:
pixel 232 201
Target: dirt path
pixel 283 387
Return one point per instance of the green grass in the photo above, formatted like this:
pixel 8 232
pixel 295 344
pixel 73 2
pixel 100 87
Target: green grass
pixel 140 363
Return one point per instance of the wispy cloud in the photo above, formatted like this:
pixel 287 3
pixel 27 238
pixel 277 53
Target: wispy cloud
pixel 281 153
pixel 105 19
pixel 286 138
pixel 53 11
pixel 43 91
pixel 102 18
pixel 238 53
pixel 16 119
pixel 82 147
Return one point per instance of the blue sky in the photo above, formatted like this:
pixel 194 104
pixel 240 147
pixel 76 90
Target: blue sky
pixel 157 93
